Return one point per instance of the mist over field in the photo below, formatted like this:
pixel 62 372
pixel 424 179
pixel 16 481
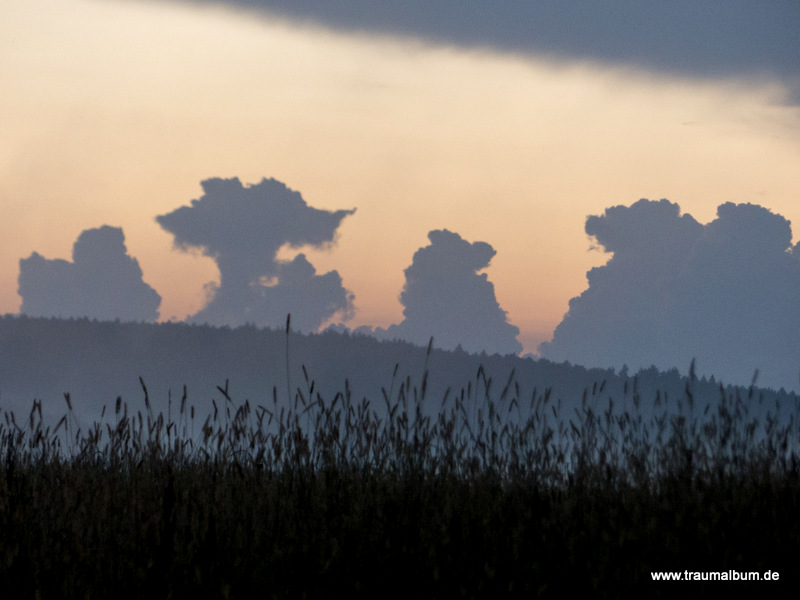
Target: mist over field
pixel 460 472
pixel 97 362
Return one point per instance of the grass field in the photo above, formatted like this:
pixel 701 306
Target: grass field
pixel 477 494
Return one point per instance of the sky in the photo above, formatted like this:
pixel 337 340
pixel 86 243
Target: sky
pixel 506 126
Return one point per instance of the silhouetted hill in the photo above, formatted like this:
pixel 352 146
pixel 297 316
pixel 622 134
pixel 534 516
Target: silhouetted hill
pixel 95 362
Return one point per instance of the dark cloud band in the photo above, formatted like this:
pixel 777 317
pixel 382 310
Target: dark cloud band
pixel 702 38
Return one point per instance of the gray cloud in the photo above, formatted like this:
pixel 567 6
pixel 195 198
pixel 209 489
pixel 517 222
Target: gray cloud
pixel 726 293
pixel 242 228
pixel 445 297
pixel 703 38
pixel 101 282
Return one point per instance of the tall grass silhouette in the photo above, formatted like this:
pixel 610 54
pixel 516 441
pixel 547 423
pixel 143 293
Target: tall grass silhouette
pixel 478 493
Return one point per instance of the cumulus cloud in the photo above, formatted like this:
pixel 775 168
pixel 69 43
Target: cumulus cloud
pixel 445 297
pixel 242 228
pixel 101 282
pixel 726 294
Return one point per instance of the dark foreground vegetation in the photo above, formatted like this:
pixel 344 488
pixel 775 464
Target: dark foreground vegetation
pixel 498 495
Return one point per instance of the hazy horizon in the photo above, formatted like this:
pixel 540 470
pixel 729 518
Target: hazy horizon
pixel 504 128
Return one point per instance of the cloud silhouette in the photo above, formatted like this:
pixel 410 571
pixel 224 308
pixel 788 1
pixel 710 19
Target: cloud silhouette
pixel 101 282
pixel 706 38
pixel 445 297
pixel 242 228
pixel 725 293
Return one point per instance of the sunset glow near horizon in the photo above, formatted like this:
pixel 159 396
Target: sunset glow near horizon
pixel 113 112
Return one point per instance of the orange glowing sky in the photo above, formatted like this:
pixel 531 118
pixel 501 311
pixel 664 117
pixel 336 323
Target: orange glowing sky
pixel 113 112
